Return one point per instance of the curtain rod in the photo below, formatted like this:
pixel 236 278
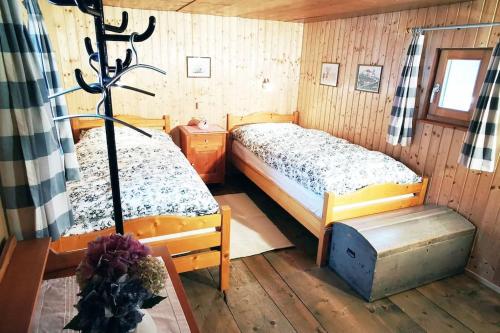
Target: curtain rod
pixel 456 27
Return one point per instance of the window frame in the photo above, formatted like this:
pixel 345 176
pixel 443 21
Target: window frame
pixel 453 117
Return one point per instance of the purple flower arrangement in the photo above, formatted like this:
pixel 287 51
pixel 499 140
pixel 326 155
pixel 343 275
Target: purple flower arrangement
pixel 117 278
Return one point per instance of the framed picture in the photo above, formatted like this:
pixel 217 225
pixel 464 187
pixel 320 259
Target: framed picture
pixel 329 74
pixel 198 67
pixel 368 78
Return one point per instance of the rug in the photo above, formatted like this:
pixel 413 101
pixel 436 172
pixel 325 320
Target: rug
pixel 251 230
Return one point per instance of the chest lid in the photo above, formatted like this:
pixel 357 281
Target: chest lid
pixel 409 228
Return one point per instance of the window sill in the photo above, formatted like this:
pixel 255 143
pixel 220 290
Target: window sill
pixel 442 124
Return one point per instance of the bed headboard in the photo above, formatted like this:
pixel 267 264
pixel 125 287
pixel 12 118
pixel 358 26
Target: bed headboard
pixel 261 117
pixel 81 124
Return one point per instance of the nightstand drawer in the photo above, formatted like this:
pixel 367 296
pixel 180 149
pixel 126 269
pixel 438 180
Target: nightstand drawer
pixel 207 139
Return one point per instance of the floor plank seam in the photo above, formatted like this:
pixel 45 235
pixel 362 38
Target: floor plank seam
pixel 277 306
pixel 451 315
pixel 298 297
pixel 406 314
pixel 227 305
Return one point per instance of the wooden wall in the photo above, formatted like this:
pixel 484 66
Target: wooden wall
pixel 243 52
pixel 363 117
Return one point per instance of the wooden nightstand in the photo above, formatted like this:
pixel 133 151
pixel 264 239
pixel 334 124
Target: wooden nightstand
pixel 206 151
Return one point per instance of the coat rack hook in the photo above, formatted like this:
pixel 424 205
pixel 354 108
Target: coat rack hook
pixel 139 38
pixel 81 82
pixel 128 58
pixel 122 27
pixel 149 31
pixel 119 66
pixel 98 86
pixel 129 69
pixel 62 2
pixel 88 45
pixel 84 7
pixel 125 63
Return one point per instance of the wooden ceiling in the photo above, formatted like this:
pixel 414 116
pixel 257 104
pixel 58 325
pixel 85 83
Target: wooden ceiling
pixel 280 10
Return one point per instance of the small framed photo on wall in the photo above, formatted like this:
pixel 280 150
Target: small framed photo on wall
pixel 198 67
pixel 368 78
pixel 329 74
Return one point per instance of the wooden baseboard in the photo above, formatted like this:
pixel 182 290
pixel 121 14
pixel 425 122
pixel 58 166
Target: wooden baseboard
pixel 483 281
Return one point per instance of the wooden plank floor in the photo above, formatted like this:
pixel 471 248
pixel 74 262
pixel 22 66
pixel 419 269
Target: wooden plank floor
pixel 283 291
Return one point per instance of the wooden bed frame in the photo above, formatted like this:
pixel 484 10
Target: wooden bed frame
pixel 332 212
pixel 190 252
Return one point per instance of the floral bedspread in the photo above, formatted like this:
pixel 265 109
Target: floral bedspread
pixel 319 161
pixel 155 179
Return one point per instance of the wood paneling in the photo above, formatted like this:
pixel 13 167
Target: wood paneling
pixel 363 117
pixel 281 10
pixel 243 52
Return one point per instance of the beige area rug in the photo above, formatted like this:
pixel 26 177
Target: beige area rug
pixel 251 231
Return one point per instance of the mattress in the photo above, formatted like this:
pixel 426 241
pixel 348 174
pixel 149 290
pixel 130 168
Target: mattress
pixel 319 161
pixel 155 179
pixel 306 197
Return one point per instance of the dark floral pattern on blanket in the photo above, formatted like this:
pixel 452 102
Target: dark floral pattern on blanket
pixel 319 161
pixel 155 179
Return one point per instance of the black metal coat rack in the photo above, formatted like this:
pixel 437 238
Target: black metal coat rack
pixel 107 81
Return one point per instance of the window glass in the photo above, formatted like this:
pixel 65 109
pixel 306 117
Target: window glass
pixel 460 77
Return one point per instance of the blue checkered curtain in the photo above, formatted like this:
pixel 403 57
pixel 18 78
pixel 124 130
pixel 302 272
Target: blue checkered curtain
pixel 47 60
pixel 480 145
pixel 32 175
pixel 401 127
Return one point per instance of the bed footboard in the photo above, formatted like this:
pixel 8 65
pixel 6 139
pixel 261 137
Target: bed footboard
pixel 190 252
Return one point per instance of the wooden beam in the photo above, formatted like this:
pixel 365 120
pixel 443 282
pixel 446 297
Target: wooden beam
pixel 171 5
pixel 280 10
pixel 80 124
pixel 141 228
pixel 225 230
pixel 260 117
pixel 194 261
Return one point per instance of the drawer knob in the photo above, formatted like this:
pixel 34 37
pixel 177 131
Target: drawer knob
pixel 206 140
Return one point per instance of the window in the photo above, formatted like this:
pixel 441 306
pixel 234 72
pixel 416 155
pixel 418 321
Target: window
pixel 458 76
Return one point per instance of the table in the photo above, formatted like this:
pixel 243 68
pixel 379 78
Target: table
pixel 24 265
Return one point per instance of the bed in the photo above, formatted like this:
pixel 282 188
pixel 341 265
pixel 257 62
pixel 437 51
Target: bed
pixel 321 194
pixel 163 203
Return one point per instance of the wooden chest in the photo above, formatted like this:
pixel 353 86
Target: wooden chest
pixel 206 151
pixel 383 254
